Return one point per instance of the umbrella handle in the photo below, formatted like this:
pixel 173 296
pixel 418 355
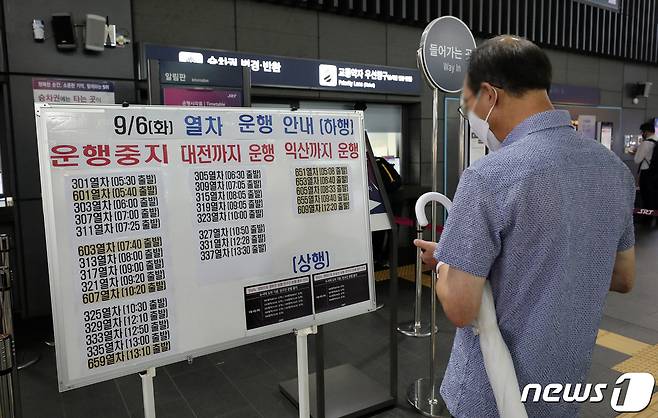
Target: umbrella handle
pixel 424 199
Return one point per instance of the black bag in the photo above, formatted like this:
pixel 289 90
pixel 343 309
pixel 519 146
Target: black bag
pixel 652 171
pixel 390 177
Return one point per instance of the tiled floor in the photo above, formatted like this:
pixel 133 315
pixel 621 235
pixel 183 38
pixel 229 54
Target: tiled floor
pixel 243 382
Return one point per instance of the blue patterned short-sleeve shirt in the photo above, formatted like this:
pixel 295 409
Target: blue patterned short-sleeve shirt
pixel 542 219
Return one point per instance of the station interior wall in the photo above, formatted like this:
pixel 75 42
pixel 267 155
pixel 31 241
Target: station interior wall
pixel 243 25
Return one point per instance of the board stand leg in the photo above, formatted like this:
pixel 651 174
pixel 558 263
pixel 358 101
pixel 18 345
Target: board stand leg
pixel 302 369
pixel 347 390
pixel 147 392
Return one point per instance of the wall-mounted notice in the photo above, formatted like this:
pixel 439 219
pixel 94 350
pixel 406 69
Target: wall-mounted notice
pixel 175 232
pixel 208 97
pixel 70 91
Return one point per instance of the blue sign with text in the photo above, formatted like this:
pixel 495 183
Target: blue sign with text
pixel 275 71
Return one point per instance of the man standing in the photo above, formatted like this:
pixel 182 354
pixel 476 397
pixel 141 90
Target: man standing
pixel 643 157
pixel 546 218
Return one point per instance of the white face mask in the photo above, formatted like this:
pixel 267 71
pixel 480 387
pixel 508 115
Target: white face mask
pixel 481 127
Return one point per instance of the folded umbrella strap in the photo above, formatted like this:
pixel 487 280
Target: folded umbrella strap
pixel 498 360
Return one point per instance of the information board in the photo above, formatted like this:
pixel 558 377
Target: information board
pixel 175 232
pixel 71 91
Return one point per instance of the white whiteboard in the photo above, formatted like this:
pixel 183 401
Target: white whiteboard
pixel 174 232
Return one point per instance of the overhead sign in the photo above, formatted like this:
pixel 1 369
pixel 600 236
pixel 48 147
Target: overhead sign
pixel 176 232
pixel 197 75
pixel 445 47
pixel 70 91
pixel 185 84
pixel 276 71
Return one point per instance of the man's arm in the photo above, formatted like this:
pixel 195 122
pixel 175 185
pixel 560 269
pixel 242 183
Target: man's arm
pixel 641 152
pixel 470 243
pixel 460 294
pixel 623 273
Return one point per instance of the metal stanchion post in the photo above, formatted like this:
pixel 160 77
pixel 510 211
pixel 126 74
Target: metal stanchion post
pixel 5 286
pixel 6 380
pixel 423 394
pixel 8 371
pixel 416 328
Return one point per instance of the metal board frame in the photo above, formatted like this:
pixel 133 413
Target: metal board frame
pixel 54 242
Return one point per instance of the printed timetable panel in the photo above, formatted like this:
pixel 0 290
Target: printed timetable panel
pixel 121 266
pixel 124 332
pixel 113 270
pixel 338 288
pixel 230 220
pixel 322 189
pixel 106 205
pixel 175 232
pixel 279 301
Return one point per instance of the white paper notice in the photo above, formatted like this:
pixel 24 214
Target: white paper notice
pixel 176 232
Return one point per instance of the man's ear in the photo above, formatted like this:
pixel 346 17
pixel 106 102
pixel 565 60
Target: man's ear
pixel 487 92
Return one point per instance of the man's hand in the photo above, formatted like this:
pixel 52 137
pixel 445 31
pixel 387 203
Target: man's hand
pixel 460 293
pixel 427 248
